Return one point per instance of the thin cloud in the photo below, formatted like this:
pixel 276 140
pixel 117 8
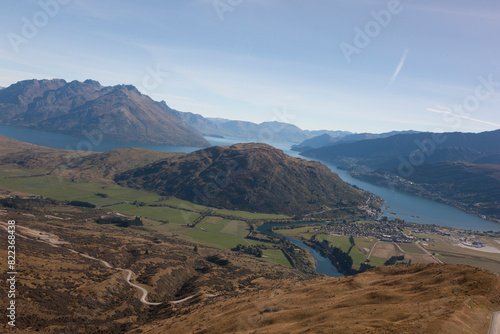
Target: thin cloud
pixel 398 69
pixel 462 116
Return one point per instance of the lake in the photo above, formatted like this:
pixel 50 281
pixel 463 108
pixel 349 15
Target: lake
pixel 406 206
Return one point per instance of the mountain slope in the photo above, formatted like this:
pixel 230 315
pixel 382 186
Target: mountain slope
pixel 454 168
pixel 387 152
pixel 80 166
pixel 326 139
pixel 250 177
pixel 474 188
pixel 316 142
pixel 493 159
pixel 434 299
pixel 88 109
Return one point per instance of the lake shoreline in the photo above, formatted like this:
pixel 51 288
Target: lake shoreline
pixel 367 177
pixel 407 206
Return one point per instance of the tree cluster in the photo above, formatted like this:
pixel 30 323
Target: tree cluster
pixel 248 249
pixel 120 222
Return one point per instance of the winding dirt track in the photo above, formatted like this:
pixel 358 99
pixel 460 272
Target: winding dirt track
pixel 144 291
pixel 54 241
pixel 495 324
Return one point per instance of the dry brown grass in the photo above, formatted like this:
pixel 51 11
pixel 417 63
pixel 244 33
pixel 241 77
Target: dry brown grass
pixel 432 298
pixel 60 291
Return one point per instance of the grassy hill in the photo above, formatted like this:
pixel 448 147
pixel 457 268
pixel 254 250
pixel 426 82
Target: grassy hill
pixel 228 292
pixel 250 177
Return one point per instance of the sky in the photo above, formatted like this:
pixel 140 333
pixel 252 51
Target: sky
pixel 355 65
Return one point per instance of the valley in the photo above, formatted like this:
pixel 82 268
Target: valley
pixel 219 228
pixel 218 276
pixel 186 256
pixel 249 167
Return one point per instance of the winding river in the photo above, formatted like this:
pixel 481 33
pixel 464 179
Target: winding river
pixel 406 206
pixel 323 264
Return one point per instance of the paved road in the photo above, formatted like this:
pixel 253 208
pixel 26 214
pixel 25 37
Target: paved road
pixel 495 324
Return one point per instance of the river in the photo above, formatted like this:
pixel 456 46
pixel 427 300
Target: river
pixel 323 264
pixel 406 206
pixel 402 205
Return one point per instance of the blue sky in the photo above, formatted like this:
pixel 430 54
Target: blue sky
pixel 430 66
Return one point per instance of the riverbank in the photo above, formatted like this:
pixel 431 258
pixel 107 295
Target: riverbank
pixel 323 264
pixel 375 243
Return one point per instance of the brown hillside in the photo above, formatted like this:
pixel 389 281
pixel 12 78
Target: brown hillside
pixel 81 166
pixel 251 177
pixel 36 157
pixel 396 299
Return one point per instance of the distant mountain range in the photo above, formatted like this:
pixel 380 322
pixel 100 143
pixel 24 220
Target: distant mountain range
pixel 122 113
pixel 266 131
pixel 87 109
pixel 326 139
pixel 390 152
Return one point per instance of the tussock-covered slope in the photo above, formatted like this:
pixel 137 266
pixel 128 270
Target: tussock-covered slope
pixel 396 299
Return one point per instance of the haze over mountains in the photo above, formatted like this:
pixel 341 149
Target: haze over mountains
pixel 122 113
pixel 271 131
pixel 326 139
pixel 386 152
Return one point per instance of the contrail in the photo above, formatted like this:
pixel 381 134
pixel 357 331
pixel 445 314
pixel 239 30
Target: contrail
pixel 398 69
pixel 462 116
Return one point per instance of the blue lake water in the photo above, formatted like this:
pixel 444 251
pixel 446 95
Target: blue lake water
pixel 406 206
pixel 413 208
pixel 68 142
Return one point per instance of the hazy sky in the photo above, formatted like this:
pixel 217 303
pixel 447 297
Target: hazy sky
pixel 358 65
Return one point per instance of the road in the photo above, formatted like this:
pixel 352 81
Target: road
pixel 371 250
pixel 427 252
pixel 54 241
pixel 495 324
pixel 144 291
